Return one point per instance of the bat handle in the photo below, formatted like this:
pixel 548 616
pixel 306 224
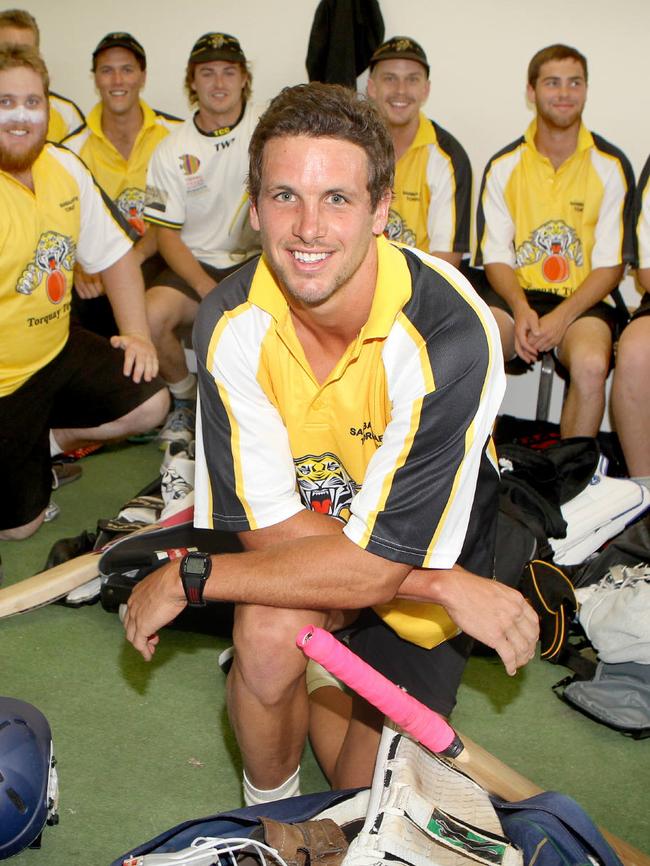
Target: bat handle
pixel 419 721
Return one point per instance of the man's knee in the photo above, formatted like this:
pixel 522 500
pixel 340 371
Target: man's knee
pixel 167 309
pixel 633 351
pixel 506 331
pixel 144 417
pixel 266 655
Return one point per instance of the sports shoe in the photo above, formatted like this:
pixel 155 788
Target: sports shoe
pixel 51 512
pixel 178 448
pixel 64 473
pixel 179 426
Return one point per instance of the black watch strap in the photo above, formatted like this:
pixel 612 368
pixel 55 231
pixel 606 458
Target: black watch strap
pixel 195 570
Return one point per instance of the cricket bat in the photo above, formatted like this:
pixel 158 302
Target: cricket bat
pixel 57 582
pixel 431 729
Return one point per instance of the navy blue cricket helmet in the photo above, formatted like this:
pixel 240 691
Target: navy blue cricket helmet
pixel 28 780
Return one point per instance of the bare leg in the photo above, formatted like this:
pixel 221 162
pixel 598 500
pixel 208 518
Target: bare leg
pixel 145 416
pixel 330 711
pixel 585 352
pixel 506 331
pixel 356 760
pixel 267 696
pixel 631 395
pixel 21 532
pixel 168 309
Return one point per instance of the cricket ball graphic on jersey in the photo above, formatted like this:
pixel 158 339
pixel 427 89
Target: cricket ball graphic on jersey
pixel 555 244
pixel 55 254
pixel 131 205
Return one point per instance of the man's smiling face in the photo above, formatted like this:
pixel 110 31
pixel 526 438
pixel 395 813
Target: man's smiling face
pixel 23 118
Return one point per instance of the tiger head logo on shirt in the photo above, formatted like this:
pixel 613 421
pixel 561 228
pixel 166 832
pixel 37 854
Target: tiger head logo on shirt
pixel 324 484
pixel 131 205
pixel 557 244
pixel 55 253
pixel 397 230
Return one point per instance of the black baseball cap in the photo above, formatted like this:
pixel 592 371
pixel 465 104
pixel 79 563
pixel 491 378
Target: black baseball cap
pixel 400 48
pixel 217 46
pixel 121 40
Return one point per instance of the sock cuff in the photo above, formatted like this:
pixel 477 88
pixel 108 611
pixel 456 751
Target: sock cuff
pixel 289 788
pixel 185 389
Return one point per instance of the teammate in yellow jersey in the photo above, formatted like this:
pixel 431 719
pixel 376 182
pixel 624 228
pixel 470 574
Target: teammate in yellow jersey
pixel 554 233
pixel 54 377
pixel 345 437
pixel 433 177
pixel 19 27
pixel 116 144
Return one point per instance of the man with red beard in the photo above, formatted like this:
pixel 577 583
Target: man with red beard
pixel 51 377
pixel 554 233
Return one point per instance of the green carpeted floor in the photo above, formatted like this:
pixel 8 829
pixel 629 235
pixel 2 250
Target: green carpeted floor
pixel 142 747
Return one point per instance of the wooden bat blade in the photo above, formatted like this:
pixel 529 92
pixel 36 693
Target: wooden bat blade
pixel 55 583
pixel 500 779
pixel 48 586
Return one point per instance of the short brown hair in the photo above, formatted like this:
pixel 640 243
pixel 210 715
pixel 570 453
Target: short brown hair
pixel 326 111
pixel 21 20
pixel 16 56
pixel 554 52
pixel 191 93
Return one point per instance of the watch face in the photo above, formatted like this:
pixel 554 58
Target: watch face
pixel 194 565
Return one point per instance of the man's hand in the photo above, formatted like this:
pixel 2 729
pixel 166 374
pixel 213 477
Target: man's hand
pixel 155 602
pixel 552 328
pixel 87 285
pixel 140 358
pixel 497 615
pixel 526 330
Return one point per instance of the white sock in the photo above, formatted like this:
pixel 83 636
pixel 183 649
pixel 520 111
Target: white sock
pixel 55 448
pixel 642 479
pixel 185 389
pixel 289 788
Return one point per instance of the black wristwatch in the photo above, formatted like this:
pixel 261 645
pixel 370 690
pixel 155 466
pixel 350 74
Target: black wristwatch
pixel 195 570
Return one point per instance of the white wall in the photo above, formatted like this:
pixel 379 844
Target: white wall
pixel 478 51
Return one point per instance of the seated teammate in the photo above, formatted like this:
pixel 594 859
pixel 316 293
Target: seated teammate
pixel 116 143
pixel 51 376
pixel 196 197
pixel 433 177
pixel 631 385
pixel 20 28
pixel 345 436
pixel 555 232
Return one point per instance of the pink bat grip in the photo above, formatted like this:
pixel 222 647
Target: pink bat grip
pixel 419 721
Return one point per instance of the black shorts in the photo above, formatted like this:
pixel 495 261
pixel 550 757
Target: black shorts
pixel 170 278
pixel 545 302
pixel 84 386
pixel 432 676
pixel 643 309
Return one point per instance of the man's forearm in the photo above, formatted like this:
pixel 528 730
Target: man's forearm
pixel 316 572
pixel 147 245
pixel 505 283
pixel 182 261
pixel 594 288
pixel 125 291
